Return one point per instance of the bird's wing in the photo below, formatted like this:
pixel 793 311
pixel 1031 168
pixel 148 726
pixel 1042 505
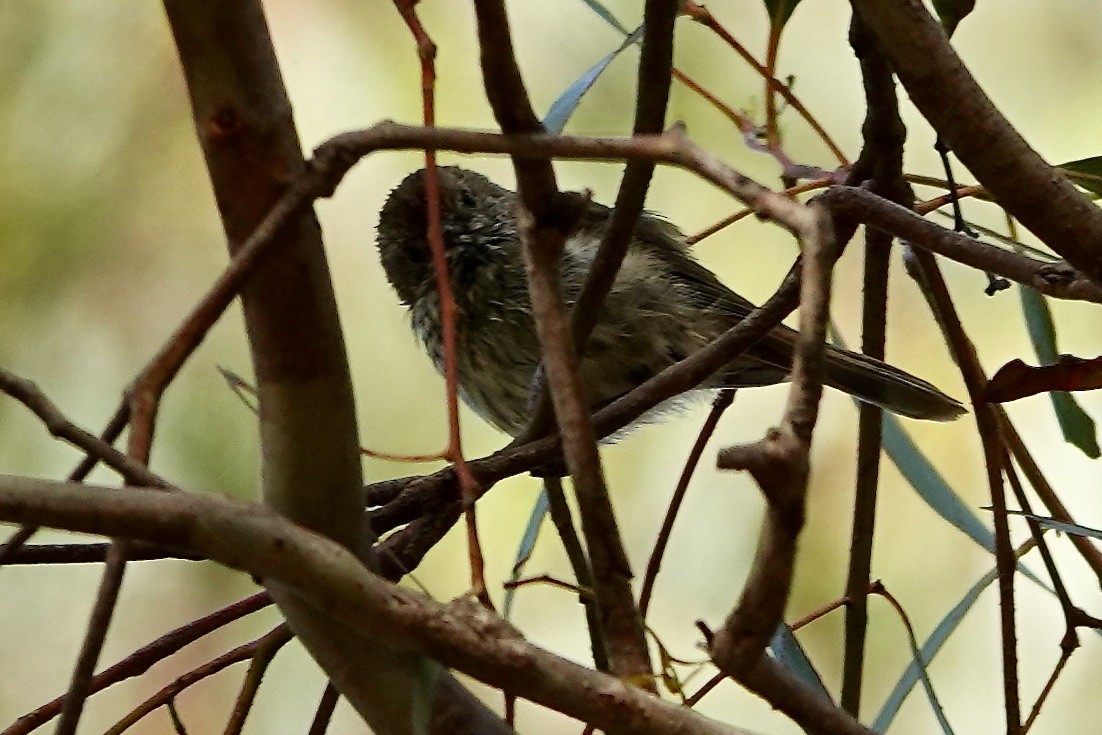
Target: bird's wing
pixel 663 241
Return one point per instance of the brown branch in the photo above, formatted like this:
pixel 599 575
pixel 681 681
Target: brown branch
pixel 881 164
pixel 59 426
pixel 816 714
pixel 465 637
pixel 621 624
pixel 509 100
pixel 90 554
pixel 939 84
pixel 80 682
pixel 1086 548
pixel 722 402
pixel 779 465
pixel 309 441
pixel 653 83
pixel 276 638
pixel 701 15
pixel 546 220
pixel 929 277
pixel 1065 654
pixel 1053 279
pixel 262 657
pixel 140 661
pixel 1072 614
pixel 559 510
pixel 325 710
pixel 426 51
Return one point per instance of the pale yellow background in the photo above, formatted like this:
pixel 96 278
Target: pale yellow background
pixel 108 235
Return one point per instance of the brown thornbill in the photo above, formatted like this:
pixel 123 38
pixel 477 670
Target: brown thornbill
pixel 663 306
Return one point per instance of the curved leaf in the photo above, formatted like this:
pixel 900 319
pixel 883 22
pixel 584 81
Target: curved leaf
pixel 791 655
pixel 1086 173
pixel 779 11
pixel 1075 423
pixel 563 107
pixel 527 544
pixel 1073 528
pixel 952 12
pixel 606 15
pixel 929 649
pixel 930 485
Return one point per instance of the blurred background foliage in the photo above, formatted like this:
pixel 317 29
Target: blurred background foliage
pixel 108 234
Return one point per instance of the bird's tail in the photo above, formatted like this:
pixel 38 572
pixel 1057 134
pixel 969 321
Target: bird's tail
pixel 866 379
pixel 890 388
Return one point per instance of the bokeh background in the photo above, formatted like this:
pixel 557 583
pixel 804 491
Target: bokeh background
pixel 108 234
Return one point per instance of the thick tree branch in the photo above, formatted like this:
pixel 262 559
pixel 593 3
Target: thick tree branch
pixel 309 440
pixel 946 93
pixel 460 635
pixel 1058 280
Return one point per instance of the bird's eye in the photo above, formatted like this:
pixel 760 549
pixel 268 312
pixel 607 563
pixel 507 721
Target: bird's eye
pixel 466 199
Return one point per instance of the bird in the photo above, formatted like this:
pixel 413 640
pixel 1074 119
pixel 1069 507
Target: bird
pixel 663 306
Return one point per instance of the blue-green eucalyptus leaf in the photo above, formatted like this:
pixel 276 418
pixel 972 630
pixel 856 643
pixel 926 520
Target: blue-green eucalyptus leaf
pixel 928 650
pixel 1086 173
pixel 524 551
pixel 1076 424
pixel 791 655
pixel 563 107
pixel 606 15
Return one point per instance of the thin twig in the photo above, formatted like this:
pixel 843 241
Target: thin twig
pixel 559 511
pixel 721 403
pixel 1052 279
pixel 262 658
pixel 325 710
pixel 779 465
pixel 1085 546
pixel 80 683
pixel 546 218
pixel 468 638
pixel 61 427
pixel 881 165
pixel 941 87
pixel 93 553
pixel 277 637
pixel 1065 654
pixel 426 53
pixel 701 15
pixel 929 277
pixel 140 661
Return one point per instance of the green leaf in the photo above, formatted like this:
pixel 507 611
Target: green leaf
pixel 790 654
pixel 1015 245
pixel 424 687
pixel 606 15
pixel 1086 172
pixel 524 551
pixel 1075 423
pixel 920 665
pixel 930 485
pixel 952 12
pixel 929 649
pixel 934 491
pixel 1073 528
pixel 779 11
pixel 563 107
pixel 920 473
pixel 932 645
